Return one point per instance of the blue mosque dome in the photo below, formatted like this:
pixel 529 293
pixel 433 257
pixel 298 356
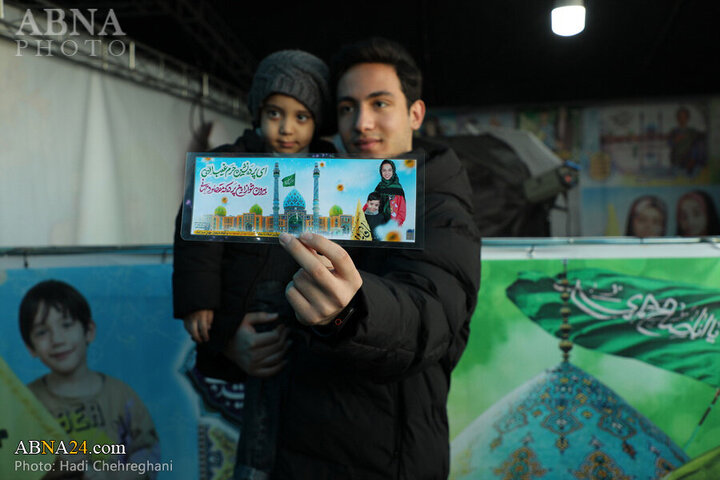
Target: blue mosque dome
pixel 563 424
pixel 294 201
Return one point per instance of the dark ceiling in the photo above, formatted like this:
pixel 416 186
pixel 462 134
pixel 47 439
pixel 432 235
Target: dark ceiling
pixel 472 53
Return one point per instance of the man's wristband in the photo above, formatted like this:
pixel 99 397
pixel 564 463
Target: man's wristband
pixel 335 325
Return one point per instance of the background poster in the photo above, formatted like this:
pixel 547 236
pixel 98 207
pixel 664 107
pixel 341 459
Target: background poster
pixel 137 341
pixel 506 349
pixel 557 128
pixel 606 210
pixel 140 343
pixel 451 122
pixel 646 145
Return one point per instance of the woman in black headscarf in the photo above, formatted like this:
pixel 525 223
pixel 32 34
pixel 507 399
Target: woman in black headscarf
pixel 392 195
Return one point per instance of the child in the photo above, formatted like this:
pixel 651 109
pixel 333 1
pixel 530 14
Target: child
pixel 57 327
pixel 289 102
pixel 372 213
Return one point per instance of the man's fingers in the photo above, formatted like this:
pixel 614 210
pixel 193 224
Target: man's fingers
pixel 259 352
pixel 259 317
pixel 324 303
pixel 306 258
pixel 304 311
pixel 269 371
pixel 319 290
pixel 264 339
pixel 274 358
pixel 327 263
pixel 338 256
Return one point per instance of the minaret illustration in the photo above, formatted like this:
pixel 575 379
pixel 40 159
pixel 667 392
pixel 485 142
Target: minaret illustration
pixel 276 200
pixel 316 200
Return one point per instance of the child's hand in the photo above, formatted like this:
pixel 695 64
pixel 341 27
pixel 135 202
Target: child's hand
pixel 259 354
pixel 198 325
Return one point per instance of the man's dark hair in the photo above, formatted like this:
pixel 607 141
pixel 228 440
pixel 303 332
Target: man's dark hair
pixel 379 50
pixel 373 196
pixel 52 294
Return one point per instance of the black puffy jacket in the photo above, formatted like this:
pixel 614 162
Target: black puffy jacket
pixel 368 402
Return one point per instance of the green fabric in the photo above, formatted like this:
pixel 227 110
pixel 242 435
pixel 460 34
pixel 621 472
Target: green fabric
pixel 23 418
pixel 704 467
pixel 670 325
pixel 394 182
pixel 289 181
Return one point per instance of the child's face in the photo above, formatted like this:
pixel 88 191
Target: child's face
pixel 373 206
pixel 60 341
pixel 287 126
pixel 387 171
pixel 692 218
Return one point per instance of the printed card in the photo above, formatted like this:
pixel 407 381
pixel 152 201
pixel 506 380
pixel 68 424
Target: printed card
pixel 235 197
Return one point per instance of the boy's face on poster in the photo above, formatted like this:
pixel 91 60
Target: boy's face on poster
pixel 373 115
pixel 287 126
pixel 387 171
pixel 373 206
pixel 692 218
pixel 60 341
pixel 648 221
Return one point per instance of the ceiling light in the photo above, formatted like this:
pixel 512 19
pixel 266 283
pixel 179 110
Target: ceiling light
pixel 568 17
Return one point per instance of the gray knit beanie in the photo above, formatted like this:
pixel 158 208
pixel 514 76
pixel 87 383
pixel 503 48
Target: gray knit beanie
pixel 297 74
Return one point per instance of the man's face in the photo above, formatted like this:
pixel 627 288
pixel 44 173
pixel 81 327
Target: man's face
pixel 373 116
pixel 59 340
pixel 373 206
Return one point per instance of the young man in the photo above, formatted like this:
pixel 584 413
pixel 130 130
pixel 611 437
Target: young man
pixel 369 382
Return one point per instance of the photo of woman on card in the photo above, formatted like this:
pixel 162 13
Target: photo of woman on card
pixel 392 195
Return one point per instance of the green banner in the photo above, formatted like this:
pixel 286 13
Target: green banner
pixel 23 419
pixel 664 323
pixel 289 181
pixel 507 353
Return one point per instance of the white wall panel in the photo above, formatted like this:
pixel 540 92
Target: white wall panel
pixel 87 158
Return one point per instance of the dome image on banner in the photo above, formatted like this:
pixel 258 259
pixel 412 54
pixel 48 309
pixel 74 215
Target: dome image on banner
pixel 294 201
pixel 563 424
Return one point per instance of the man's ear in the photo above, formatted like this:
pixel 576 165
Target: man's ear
pixel 417 114
pixel 90 333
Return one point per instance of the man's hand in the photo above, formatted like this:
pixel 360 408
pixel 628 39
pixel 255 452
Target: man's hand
pixel 325 284
pixel 258 354
pixel 198 325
